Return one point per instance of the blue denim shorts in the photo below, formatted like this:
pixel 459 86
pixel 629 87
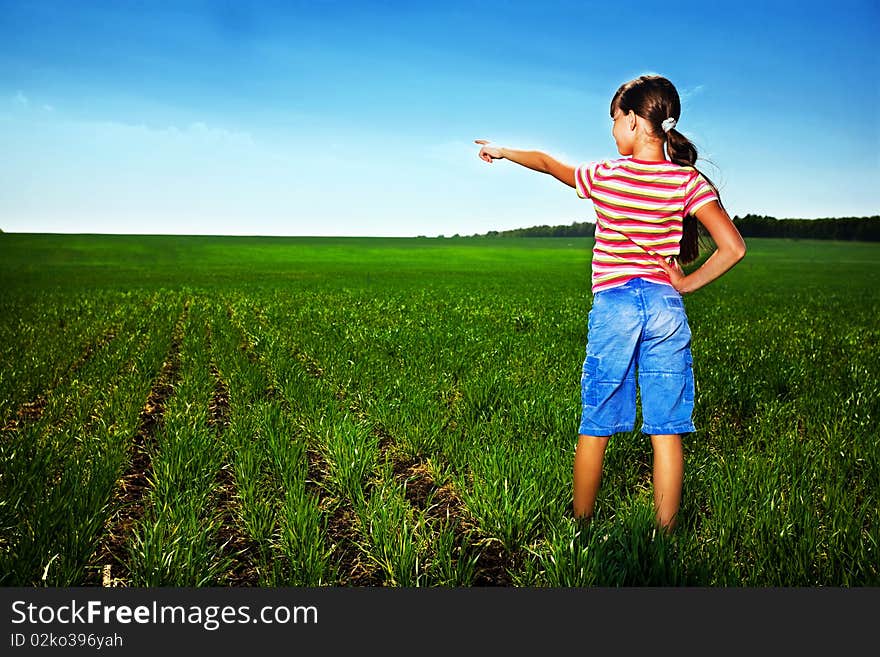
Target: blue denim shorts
pixel 639 326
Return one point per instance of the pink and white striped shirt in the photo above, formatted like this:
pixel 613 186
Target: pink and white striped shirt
pixel 639 207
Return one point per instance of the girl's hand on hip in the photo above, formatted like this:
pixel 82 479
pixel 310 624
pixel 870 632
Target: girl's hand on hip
pixel 674 270
pixel 488 153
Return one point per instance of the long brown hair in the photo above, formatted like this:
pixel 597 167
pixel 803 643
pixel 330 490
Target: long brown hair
pixel 655 99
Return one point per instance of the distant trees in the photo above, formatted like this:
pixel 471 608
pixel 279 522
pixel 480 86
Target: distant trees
pixel 866 229
pixel 576 229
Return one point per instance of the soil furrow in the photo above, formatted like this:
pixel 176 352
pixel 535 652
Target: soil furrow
pixel 31 411
pixel 341 529
pixel 441 504
pixel 232 540
pixel 111 555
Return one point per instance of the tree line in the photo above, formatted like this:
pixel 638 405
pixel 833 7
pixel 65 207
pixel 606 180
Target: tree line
pixel 866 229
pixel 576 229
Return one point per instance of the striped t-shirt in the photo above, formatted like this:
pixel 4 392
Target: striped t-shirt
pixel 639 210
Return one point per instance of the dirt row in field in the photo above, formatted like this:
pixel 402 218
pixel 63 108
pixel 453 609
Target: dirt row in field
pixel 341 528
pixel 31 411
pixel 111 556
pixel 439 502
pixel 233 541
pixel 341 524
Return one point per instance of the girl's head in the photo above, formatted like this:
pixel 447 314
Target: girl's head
pixel 656 101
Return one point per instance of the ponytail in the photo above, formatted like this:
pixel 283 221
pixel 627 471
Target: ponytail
pixel 683 153
pixel 680 149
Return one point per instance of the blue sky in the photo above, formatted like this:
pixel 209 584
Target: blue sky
pixel 358 118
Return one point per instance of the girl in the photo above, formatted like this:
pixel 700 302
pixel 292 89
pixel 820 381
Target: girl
pixel 647 204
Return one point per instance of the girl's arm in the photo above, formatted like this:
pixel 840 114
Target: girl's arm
pixel 531 159
pixel 730 250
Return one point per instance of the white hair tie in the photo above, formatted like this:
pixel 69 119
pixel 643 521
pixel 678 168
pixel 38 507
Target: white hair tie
pixel 668 124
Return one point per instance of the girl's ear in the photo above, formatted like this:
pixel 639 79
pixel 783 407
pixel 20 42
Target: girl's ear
pixel 631 119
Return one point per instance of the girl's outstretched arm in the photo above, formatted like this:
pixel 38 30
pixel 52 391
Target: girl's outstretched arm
pixel 730 250
pixel 531 159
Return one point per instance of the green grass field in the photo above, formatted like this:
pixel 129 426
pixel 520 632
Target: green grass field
pixel 215 411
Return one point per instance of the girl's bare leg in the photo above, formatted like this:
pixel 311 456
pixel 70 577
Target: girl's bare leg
pixel 588 459
pixel 668 477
